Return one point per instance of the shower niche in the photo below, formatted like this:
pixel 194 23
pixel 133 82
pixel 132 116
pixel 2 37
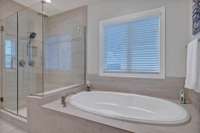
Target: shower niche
pixel 40 53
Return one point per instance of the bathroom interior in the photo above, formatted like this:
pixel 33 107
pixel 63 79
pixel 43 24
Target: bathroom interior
pixel 99 66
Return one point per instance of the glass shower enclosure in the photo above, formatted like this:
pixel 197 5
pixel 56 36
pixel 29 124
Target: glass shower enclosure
pixel 40 53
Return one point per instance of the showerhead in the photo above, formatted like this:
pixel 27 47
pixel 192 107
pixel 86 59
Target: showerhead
pixel 32 35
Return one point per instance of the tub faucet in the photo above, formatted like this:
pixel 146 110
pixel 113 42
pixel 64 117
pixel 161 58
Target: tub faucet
pixel 182 96
pixel 88 86
pixel 63 99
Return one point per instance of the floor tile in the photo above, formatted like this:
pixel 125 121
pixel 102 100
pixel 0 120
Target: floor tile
pixel 6 127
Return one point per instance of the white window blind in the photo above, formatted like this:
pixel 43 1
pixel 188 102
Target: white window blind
pixel 132 47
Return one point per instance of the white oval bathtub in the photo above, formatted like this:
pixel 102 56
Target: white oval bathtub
pixel 130 107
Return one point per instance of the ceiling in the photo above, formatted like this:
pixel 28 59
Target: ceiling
pixel 56 7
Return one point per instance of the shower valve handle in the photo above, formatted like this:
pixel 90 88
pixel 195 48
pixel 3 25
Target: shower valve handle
pixel 22 63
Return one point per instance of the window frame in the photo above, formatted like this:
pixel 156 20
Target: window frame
pixel 131 17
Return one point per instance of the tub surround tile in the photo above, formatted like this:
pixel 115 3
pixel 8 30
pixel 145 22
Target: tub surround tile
pixel 47 121
pixel 195 97
pixel 45 115
pixel 168 88
pixel 70 112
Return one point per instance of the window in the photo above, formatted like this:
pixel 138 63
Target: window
pixel 133 45
pixel 58 53
pixel 10 53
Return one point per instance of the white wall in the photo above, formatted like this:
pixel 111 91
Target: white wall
pixel 178 29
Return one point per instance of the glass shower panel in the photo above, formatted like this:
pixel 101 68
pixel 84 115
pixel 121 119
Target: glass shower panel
pixel 9 65
pixel 41 53
pixel 64 50
pixel 30 57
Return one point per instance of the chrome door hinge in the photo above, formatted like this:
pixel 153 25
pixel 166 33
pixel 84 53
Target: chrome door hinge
pixel 2 28
pixel 1 99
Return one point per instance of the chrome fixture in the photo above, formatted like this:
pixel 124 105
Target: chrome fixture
pixel 182 96
pixel 63 101
pixel 47 1
pixel 88 86
pixel 63 98
pixel 22 63
pixel 29 48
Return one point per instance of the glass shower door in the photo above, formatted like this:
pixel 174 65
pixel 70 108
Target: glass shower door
pixel 29 57
pixel 22 60
pixel 23 79
pixel 9 66
pixel 41 53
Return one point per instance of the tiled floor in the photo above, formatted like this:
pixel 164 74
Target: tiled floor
pixel 6 127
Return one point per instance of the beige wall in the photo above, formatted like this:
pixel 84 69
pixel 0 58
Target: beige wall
pixel 177 29
pixel 8 7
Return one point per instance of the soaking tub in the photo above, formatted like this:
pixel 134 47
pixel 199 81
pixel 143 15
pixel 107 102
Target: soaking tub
pixel 130 107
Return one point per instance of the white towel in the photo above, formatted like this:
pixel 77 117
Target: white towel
pixel 193 66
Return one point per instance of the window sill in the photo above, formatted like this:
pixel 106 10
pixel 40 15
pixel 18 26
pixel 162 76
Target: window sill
pixel 139 76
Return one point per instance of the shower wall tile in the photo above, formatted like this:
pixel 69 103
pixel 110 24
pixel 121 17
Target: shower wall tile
pixel 196 100
pixel 168 88
pixel 59 27
pixel 8 7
